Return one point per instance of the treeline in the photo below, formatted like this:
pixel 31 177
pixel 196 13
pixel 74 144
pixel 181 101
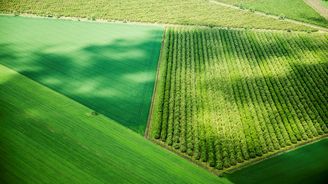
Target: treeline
pixel 226 96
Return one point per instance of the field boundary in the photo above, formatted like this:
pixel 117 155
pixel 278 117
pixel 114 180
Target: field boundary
pixel 283 151
pixel 316 5
pixel 320 28
pixel 151 108
pixel 109 21
pixel 244 164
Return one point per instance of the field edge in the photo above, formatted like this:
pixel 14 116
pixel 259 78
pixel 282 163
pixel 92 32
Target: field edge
pixel 154 96
pixel 244 164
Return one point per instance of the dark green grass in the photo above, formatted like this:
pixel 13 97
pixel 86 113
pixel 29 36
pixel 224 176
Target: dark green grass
pixel 107 67
pixel 306 165
pixel 46 137
pixel 294 9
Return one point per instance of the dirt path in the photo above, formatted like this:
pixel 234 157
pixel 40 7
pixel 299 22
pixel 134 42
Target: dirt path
pixel 146 135
pixel 273 16
pixel 318 7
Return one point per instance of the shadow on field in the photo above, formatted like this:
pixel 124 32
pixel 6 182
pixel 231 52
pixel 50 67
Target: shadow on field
pixel 239 44
pixel 301 95
pixel 243 106
pixel 305 80
pixel 303 83
pixel 114 79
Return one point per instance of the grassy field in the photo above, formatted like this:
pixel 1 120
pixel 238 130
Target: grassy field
pixel 194 12
pixel 46 137
pixel 75 95
pixel 324 3
pixel 306 165
pixel 294 9
pixel 108 67
pixel 226 97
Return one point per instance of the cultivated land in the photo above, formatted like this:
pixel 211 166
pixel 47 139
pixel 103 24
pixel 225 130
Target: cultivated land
pixel 306 165
pixel 110 68
pixel 225 97
pixel 294 9
pixel 48 138
pixel 186 12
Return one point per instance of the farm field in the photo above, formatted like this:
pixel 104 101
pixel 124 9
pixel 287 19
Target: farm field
pixel 228 97
pixel 43 140
pixel 186 12
pixel 306 165
pixel 110 68
pixel 171 91
pixel 294 9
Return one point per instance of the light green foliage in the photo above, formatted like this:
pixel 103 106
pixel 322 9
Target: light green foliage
pixel 324 3
pixel 226 96
pixel 294 9
pixel 305 165
pixel 108 67
pixel 192 12
pixel 46 137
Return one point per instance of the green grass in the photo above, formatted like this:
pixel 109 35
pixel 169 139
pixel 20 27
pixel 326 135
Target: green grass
pixel 294 9
pixel 108 67
pixel 46 137
pixel 307 165
pixel 229 97
pixel 324 3
pixel 191 12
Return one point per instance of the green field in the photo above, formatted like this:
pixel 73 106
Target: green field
pixel 110 68
pixel 46 137
pixel 324 3
pixel 228 97
pixel 294 9
pixel 306 165
pixel 238 93
pixel 186 12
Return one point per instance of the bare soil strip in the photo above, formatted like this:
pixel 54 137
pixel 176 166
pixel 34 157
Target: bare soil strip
pixel 317 6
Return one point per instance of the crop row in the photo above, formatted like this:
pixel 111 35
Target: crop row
pixel 226 96
pixel 185 12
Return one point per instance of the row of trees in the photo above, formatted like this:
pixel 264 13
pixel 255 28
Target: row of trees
pixel 226 96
